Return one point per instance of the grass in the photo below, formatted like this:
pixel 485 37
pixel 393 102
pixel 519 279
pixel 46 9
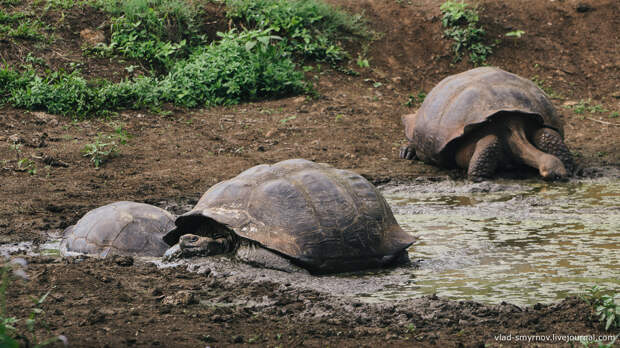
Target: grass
pixel 461 23
pixel 185 70
pixel 20 26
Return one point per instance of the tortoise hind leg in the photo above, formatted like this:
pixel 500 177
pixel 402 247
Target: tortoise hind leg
pixel 551 142
pixel 485 158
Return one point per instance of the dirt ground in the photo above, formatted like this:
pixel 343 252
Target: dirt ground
pixel 571 47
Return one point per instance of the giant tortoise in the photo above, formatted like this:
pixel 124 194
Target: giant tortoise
pixel 294 215
pixel 120 228
pixel 485 118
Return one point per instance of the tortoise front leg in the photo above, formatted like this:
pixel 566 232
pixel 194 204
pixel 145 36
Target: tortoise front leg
pixel 551 142
pixel 549 166
pixel 486 156
pixel 407 152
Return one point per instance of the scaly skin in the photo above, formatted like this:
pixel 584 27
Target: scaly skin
pixel 486 156
pixel 551 142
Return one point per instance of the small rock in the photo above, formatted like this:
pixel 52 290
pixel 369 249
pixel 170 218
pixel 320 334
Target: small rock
pixel 182 297
pixel 45 118
pixel 92 37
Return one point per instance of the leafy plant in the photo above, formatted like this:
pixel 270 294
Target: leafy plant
pixel 587 106
pixel 415 99
pixel 461 22
pixel 604 305
pixel 156 31
pixel 362 62
pixel 102 149
pixel 614 114
pixel 26 165
pixel 242 66
pixel 609 312
pixel 515 33
pixel 311 28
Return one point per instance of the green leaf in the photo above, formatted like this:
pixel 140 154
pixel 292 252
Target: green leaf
pixel 610 320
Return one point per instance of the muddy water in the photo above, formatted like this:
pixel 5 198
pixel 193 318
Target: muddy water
pixel 515 241
pixel 521 242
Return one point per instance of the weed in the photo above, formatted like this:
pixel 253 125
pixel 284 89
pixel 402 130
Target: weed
pixel 311 28
pixel 411 328
pixel 286 119
pixel 415 99
pixel 542 84
pixel 242 66
pixel 461 22
pixel 605 306
pixel 587 106
pixel 614 114
pixel 26 165
pixel 362 62
pixel 156 31
pixel 599 344
pixel 101 150
pixel 515 33
pixel 9 334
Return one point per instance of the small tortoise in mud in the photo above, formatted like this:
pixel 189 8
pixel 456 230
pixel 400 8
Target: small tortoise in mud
pixel 120 228
pixel 291 216
pixel 487 118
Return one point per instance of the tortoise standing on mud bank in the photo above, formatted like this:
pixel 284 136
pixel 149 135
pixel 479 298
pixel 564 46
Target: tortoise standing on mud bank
pixel 120 228
pixel 293 214
pixel 487 118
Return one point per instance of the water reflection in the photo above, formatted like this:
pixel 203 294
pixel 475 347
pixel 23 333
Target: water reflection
pixel 509 241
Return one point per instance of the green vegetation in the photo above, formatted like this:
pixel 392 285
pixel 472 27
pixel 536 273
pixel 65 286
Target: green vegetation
pixel 310 28
pixel 599 344
pixel 105 147
pixel 186 70
pixel 515 33
pixel 10 336
pixel 585 105
pixel 157 32
pixel 542 84
pixel 604 305
pixel 19 25
pixel 415 99
pixel 461 22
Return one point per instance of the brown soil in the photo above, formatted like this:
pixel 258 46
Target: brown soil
pixel 354 124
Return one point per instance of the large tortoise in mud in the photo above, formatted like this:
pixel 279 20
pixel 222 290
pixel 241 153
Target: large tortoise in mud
pixel 487 118
pixel 120 228
pixel 291 215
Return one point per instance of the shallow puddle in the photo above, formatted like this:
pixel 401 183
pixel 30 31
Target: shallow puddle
pixel 515 241
pixel 521 242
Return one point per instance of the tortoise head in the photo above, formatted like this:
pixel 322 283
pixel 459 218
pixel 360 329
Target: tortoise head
pixel 551 168
pixel 193 245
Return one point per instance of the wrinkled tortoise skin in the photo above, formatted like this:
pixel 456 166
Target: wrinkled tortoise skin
pixel 325 219
pixel 120 228
pixel 461 102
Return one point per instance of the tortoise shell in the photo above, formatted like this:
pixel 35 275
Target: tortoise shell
pixel 120 228
pixel 323 218
pixel 462 102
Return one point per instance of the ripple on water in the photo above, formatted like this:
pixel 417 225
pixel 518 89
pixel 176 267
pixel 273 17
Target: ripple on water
pixel 521 242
